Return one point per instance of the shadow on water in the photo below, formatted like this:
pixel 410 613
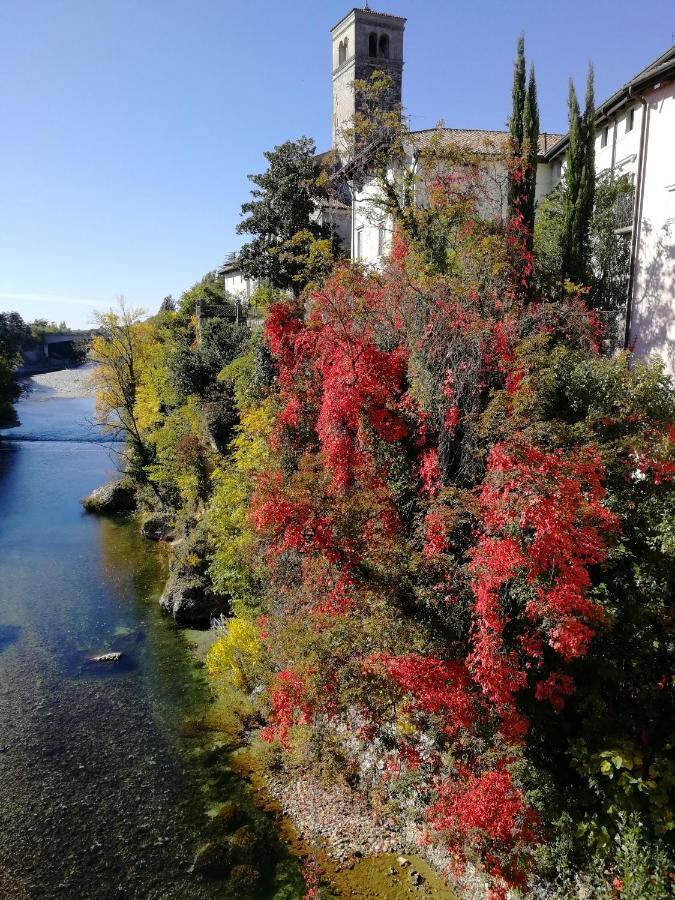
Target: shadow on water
pixel 9 634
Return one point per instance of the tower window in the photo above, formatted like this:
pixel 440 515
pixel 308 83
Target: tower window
pixel 384 46
pixel 372 44
pixel 342 52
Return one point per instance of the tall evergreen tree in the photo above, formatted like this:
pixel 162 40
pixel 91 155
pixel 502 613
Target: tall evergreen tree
pixel 531 147
pixel 579 193
pixel 516 123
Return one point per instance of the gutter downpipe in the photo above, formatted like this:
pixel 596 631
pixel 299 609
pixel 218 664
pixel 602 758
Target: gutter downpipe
pixel 615 128
pixel 637 211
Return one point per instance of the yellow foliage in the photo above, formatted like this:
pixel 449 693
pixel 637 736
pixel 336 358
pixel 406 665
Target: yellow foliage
pixel 235 657
pixel 233 537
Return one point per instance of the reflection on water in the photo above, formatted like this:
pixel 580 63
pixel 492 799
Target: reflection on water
pixel 96 798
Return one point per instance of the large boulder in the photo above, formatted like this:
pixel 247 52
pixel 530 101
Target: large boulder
pixel 157 528
pixel 112 498
pixel 188 598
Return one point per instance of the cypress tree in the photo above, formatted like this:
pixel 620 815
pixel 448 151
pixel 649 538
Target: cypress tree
pixel 579 192
pixel 531 138
pixel 516 123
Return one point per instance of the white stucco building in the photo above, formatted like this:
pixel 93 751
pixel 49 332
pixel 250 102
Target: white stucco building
pixel 635 136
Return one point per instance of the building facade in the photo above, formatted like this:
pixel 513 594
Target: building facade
pixel 635 136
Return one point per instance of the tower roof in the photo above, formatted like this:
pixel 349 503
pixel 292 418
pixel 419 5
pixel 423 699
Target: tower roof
pixel 369 14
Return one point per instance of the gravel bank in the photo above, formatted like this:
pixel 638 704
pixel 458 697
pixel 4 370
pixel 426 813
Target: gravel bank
pixel 63 383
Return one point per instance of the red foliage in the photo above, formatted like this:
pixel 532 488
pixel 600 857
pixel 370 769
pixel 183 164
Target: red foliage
pixel 434 685
pixel 335 528
pixel 554 689
pixel 289 707
pixel 488 813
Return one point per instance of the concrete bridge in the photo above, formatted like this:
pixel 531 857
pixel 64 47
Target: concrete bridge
pixel 60 343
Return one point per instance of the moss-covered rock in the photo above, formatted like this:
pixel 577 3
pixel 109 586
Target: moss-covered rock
pixel 212 860
pixel 227 819
pixel 245 880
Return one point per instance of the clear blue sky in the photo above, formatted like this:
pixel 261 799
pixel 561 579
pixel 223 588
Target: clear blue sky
pixel 129 126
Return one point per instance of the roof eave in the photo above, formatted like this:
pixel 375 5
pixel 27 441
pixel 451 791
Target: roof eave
pixel 618 98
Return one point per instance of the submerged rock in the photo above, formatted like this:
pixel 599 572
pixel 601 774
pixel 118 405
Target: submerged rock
pixel 106 658
pixel 245 879
pixel 228 817
pixel 212 860
pixel 112 498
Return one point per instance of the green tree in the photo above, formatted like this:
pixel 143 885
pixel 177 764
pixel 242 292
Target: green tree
pixel 530 149
pixel 524 133
pixel 516 122
pixel 579 188
pixel 283 202
pixel 14 334
pixel 121 350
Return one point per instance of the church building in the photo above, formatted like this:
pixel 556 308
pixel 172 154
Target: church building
pixel 635 136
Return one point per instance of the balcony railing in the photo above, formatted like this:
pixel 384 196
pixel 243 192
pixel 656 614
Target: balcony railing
pixel 623 211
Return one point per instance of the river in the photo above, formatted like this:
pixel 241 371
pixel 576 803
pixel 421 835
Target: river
pixel 102 794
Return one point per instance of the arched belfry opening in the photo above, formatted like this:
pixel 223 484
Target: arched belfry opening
pixel 384 46
pixel 372 44
pixel 342 51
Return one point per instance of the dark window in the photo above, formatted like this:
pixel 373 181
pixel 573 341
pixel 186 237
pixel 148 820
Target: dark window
pixel 342 52
pixel 604 135
pixel 630 119
pixel 384 46
pixel 372 44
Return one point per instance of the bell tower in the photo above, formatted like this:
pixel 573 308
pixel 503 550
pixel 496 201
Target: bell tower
pixel 364 41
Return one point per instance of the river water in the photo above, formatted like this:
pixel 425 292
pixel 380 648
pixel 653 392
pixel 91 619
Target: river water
pixel 100 796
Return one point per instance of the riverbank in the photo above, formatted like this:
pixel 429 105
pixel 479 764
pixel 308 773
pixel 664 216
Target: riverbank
pixel 213 770
pixel 63 383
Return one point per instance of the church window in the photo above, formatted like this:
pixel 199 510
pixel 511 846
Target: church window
pixel 604 136
pixel 630 119
pixel 372 44
pixel 342 52
pixel 384 46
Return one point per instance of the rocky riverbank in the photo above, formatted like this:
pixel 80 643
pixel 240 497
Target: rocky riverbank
pixel 61 383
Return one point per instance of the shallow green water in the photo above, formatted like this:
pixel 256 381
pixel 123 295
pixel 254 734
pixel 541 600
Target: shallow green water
pixel 99 797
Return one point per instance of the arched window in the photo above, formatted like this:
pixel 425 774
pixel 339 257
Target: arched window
pixel 342 52
pixel 372 44
pixel 384 46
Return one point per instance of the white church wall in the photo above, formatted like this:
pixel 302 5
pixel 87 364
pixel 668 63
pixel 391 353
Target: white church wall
pixel 372 230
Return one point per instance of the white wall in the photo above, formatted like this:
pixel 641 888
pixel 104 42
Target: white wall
pixel 653 313
pixel 236 285
pixel 368 219
pixel 622 146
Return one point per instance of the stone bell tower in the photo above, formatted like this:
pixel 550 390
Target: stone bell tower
pixel 363 41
